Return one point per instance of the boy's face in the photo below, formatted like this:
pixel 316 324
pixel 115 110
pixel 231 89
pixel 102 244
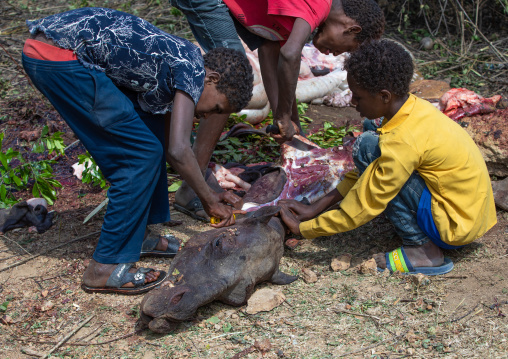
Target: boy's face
pixel 212 101
pixel 337 34
pixel 367 104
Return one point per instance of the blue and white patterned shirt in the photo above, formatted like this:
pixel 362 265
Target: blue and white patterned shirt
pixel 132 52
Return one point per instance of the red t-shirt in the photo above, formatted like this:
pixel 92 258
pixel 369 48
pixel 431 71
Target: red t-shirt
pixel 42 51
pixel 274 19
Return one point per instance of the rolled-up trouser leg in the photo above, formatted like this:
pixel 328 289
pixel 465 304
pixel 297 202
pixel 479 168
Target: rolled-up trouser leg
pixel 211 23
pixel 401 210
pixel 126 150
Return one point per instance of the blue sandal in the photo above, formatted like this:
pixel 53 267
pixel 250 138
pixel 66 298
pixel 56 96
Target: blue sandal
pixel 191 209
pixel 397 260
pixel 150 243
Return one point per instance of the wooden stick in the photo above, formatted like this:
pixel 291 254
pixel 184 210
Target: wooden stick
pixel 16 243
pixel 67 337
pixel 348 354
pixel 47 251
pixel 459 318
pixel 125 336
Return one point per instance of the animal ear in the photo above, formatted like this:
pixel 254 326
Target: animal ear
pixel 282 278
pixel 264 214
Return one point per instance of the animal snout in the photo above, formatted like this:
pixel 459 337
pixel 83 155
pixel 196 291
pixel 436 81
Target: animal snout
pixel 143 321
pixel 162 325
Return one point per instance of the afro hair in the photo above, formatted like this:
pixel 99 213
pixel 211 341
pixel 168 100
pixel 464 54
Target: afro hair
pixel 381 65
pixel 368 15
pixel 236 79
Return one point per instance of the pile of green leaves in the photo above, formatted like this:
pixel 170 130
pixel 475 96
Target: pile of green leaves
pixel 329 135
pixel 248 149
pixel 17 174
pixel 257 148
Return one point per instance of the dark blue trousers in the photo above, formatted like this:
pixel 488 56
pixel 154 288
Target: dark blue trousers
pixel 126 142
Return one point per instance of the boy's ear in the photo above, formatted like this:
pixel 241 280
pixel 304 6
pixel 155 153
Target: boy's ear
pixel 212 77
pixel 354 29
pixel 386 96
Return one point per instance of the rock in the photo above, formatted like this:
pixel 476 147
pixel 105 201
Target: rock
pixel 263 345
pixel 341 263
pixel 368 267
pixel 500 189
pixel 426 43
pixel 47 305
pixel 309 276
pixel 420 279
pixel 264 300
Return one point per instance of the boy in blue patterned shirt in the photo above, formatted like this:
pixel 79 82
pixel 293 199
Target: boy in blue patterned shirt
pixel 130 93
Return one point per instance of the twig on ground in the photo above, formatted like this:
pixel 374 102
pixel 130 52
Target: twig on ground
pixel 88 335
pixel 31 352
pixel 223 335
pixel 459 318
pixel 451 277
pixel 448 69
pixel 195 346
pixel 48 250
pixel 9 257
pixel 348 354
pixel 16 243
pixel 68 336
pixel 125 336
pixel 244 352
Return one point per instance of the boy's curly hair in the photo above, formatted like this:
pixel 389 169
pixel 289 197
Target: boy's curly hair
pixel 368 15
pixel 381 65
pixel 236 80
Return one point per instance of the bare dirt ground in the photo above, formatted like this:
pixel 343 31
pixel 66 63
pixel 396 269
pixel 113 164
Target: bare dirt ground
pixel 343 314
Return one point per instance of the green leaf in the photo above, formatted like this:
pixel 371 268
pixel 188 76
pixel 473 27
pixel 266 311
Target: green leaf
pixel 3 192
pixel 35 190
pixel 175 186
pixel 213 320
pixel 17 181
pixel 226 328
pixel 3 159
pixel 3 306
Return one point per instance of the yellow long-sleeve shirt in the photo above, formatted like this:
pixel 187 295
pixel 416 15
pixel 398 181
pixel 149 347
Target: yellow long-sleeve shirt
pixel 418 138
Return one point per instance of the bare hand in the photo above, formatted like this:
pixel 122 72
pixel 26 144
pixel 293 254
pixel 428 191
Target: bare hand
pixel 302 212
pixel 287 129
pixel 232 199
pixel 290 220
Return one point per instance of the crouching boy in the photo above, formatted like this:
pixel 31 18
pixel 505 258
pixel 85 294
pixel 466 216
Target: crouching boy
pixel 420 168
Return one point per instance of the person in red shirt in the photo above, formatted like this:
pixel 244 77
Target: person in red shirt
pixel 279 29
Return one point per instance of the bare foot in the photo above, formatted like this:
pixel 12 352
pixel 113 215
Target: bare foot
pixel 162 245
pixel 427 255
pixel 96 275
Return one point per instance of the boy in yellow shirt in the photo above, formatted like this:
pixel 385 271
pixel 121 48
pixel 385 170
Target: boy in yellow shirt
pixel 421 168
